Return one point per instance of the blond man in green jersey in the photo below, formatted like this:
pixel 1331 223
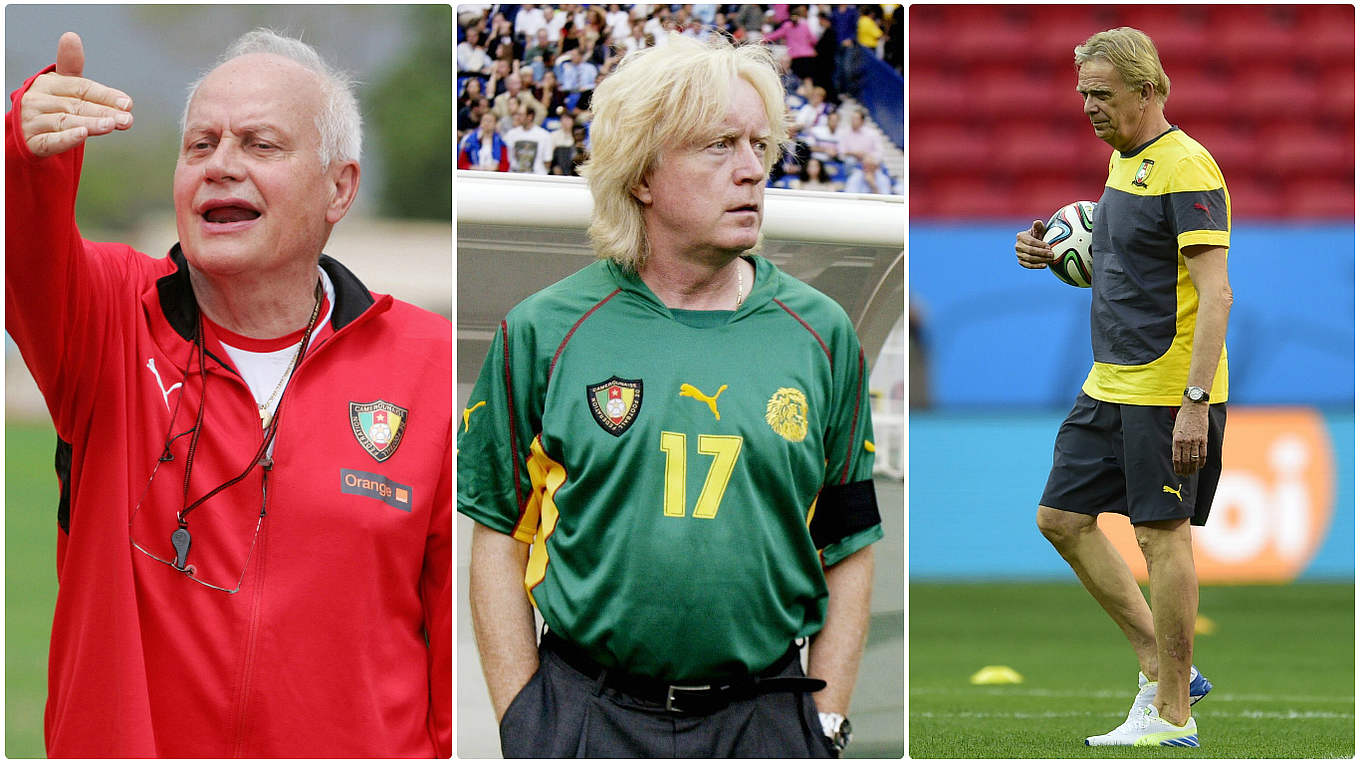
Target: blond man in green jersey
pixel 681 433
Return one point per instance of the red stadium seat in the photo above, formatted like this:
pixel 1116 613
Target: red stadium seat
pixel 922 202
pixel 1255 32
pixel 1328 32
pixel 1336 93
pixel 1037 149
pixel 1021 95
pixel 966 15
pixel 1254 201
pixel 1201 95
pixel 966 33
pixel 965 197
pixel 1001 40
pixel 929 40
pixel 950 149
pixel 1319 200
pixel 1266 93
pixel 1294 151
pixel 934 95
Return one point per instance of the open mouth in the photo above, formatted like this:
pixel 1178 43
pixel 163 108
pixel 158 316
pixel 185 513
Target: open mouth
pixel 228 212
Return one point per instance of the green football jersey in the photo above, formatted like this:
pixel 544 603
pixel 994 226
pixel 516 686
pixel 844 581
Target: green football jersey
pixel 666 466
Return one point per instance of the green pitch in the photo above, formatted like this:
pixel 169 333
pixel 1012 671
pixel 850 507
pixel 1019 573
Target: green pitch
pixel 30 581
pixel 1282 659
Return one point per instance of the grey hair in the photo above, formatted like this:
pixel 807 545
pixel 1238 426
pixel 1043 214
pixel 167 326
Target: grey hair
pixel 339 123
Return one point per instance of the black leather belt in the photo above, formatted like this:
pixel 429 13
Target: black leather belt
pixel 687 698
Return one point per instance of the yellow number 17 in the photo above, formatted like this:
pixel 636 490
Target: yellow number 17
pixel 724 450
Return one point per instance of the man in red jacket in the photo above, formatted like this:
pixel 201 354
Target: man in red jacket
pixel 267 572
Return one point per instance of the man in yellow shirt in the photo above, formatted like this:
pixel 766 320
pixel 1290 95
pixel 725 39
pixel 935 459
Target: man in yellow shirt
pixel 869 31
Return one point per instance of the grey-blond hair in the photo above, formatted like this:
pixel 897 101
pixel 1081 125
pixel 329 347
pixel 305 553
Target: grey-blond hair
pixel 1133 55
pixel 658 97
pixel 338 122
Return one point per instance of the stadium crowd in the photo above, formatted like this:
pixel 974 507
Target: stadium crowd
pixel 526 74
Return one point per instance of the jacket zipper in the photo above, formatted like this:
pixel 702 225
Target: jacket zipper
pixel 242 721
pixel 252 634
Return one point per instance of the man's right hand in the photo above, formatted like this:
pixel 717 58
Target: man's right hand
pixel 61 108
pixel 1030 249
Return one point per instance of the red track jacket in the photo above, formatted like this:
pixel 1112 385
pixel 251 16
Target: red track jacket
pixel 338 643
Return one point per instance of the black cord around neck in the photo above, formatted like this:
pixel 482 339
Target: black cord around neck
pixel 273 428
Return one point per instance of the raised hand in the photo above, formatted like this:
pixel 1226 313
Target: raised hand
pixel 61 109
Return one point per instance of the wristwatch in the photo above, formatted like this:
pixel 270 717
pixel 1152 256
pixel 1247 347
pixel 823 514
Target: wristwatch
pixel 837 729
pixel 1197 394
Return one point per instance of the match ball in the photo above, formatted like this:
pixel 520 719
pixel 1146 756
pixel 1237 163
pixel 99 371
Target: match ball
pixel 1068 233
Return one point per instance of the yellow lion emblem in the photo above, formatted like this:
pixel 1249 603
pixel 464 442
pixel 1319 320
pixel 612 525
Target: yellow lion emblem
pixel 786 412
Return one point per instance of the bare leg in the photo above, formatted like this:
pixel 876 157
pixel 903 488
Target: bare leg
pixel 1175 600
pixel 1103 572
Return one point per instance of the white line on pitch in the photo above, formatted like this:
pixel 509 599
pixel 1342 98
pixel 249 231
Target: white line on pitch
pixel 1282 715
pixel 1005 691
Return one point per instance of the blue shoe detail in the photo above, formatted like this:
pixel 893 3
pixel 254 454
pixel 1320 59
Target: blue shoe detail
pixel 1184 741
pixel 1199 685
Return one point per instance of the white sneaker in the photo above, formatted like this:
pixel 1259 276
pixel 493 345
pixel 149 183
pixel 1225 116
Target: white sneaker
pixel 1145 727
pixel 1147 691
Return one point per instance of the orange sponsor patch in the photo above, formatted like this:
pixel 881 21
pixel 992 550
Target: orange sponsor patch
pixel 1273 506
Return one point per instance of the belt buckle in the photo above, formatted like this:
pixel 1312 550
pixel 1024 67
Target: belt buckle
pixel 671 692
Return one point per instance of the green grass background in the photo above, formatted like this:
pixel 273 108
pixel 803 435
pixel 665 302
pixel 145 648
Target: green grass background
pixel 1282 660
pixel 30 581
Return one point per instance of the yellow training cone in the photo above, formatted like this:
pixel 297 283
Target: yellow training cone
pixel 995 674
pixel 1204 626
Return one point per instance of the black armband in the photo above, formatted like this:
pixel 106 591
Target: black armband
pixel 842 511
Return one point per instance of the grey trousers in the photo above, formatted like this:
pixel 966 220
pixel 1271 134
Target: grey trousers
pixel 563 713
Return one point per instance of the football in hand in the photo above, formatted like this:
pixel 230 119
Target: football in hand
pixel 1068 233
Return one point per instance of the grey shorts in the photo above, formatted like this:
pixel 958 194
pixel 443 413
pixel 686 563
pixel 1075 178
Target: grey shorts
pixel 1117 458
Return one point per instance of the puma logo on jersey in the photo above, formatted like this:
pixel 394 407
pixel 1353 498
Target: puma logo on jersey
pixel 1176 490
pixel 468 413
pixel 691 392
pixel 165 392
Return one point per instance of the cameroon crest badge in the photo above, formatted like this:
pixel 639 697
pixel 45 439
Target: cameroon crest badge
pixel 1144 169
pixel 615 403
pixel 378 426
